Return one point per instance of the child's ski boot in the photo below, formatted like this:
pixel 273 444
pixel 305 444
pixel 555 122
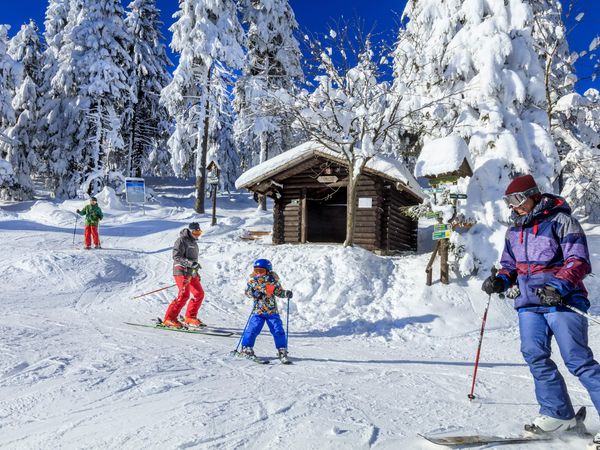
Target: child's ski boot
pixel 248 353
pixel 282 354
pixel 595 445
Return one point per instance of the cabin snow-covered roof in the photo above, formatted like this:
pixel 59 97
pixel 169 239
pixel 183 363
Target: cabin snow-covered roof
pixel 384 167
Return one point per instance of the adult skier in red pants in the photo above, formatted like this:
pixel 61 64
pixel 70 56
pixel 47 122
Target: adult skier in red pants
pixel 185 271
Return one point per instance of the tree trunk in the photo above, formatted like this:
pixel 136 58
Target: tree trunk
pixel 351 205
pixel 201 167
pixel 264 155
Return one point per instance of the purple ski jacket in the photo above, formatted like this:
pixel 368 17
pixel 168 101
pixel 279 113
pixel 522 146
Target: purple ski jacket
pixel 546 247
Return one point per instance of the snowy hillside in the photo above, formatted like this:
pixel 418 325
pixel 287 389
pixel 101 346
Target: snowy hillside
pixel 379 357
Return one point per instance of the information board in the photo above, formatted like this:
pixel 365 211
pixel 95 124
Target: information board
pixel 135 190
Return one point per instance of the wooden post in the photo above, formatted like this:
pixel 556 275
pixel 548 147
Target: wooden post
pixel 429 268
pixel 444 244
pixel 214 205
pixel 303 216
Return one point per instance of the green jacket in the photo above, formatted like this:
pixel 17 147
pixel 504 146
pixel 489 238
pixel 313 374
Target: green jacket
pixel 93 214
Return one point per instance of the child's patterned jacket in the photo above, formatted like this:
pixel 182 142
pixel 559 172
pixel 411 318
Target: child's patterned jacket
pixel 257 290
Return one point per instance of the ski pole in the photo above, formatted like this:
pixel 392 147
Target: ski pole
pixel 287 324
pixel 572 308
pixel 152 292
pixel 188 281
pixel 75 228
pixel 234 352
pixel 583 313
pixel 471 396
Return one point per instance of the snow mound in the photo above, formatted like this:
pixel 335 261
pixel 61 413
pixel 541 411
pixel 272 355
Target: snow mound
pixel 49 214
pixel 107 199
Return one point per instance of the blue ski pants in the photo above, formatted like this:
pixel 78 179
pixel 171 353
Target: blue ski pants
pixel 255 326
pixel 571 333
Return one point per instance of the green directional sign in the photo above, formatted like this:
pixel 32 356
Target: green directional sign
pixel 434 190
pixel 461 196
pixel 441 234
pixel 434 214
pixel 441 227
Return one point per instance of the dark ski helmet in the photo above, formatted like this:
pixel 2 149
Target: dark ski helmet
pixel 263 264
pixel 194 226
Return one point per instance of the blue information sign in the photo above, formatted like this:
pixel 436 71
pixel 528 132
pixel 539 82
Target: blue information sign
pixel 135 190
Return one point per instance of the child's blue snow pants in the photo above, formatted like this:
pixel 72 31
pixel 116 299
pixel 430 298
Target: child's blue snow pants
pixel 255 325
pixel 570 331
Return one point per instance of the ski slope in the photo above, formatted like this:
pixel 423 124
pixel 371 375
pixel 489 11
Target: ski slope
pixel 379 357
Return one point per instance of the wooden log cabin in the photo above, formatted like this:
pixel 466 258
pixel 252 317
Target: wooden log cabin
pixel 308 185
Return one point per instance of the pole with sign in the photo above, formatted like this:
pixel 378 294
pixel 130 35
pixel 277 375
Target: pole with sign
pixel 135 192
pixel 441 234
pixel 213 173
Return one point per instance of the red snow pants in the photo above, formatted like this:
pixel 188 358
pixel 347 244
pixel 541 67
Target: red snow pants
pixel 90 233
pixel 187 286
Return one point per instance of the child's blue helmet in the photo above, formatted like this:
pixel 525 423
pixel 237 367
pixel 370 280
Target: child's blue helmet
pixel 264 264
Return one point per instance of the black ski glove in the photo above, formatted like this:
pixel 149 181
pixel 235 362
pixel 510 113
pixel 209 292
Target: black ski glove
pixel 289 294
pixel 549 296
pixel 196 266
pixel 493 285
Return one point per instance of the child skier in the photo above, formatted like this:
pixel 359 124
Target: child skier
pixel 263 286
pixel 93 215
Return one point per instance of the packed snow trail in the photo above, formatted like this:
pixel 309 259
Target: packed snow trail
pixel 378 357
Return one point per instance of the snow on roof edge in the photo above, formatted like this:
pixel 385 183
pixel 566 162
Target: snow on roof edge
pixel 378 164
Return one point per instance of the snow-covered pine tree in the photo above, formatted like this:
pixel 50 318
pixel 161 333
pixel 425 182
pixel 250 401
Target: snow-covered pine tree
pixel 145 127
pixel 481 57
pixel 577 126
pixel 10 76
pixel 272 63
pixel 221 143
pixel 571 115
pixel 58 161
pixel 550 42
pixel 207 33
pixel 100 61
pixel 25 48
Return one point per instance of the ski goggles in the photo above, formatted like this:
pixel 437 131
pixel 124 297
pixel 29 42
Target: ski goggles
pixel 519 198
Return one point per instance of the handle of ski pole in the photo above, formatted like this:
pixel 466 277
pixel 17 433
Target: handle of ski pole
pixel 494 272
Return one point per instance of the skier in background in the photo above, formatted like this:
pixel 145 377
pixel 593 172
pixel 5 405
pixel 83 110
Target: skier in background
pixel 263 286
pixel 93 215
pixel 546 254
pixel 185 271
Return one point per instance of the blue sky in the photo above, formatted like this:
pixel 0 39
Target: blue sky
pixel 317 15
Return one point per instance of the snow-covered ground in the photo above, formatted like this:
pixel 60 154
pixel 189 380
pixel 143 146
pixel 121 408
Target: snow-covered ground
pixel 379 357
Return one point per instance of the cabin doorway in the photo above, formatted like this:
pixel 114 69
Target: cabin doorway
pixel 326 215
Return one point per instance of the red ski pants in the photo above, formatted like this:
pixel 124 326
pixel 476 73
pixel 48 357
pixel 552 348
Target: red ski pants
pixel 187 286
pixel 90 233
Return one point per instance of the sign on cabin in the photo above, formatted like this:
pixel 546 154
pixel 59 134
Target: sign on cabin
pixel 365 202
pixel 327 179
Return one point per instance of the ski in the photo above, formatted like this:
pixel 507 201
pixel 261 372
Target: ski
pixel 184 330
pixel 202 327
pixel 477 439
pixel 254 358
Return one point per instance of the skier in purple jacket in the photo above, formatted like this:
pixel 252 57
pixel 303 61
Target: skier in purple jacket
pixel 546 255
